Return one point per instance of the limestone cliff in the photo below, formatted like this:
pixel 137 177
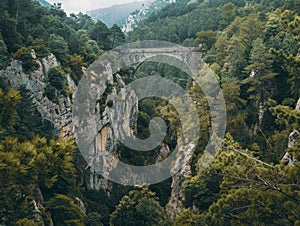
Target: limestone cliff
pixel 112 113
pixel 117 110
pixel 59 113
pixel 175 205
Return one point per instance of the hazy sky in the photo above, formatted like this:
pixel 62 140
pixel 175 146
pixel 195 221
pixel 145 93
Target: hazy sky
pixel 76 6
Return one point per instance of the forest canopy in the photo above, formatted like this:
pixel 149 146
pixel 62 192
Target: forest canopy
pixel 253 49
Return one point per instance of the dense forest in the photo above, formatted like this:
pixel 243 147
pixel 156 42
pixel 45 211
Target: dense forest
pixel 253 49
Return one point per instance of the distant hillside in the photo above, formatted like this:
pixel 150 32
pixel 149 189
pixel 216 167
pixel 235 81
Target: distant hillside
pixel 138 16
pixel 116 14
pixel 44 3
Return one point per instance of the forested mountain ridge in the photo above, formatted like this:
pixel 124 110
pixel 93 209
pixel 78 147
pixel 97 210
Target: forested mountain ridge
pixel 253 49
pixel 138 16
pixel 116 14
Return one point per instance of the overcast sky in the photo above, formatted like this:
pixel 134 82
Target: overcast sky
pixel 76 6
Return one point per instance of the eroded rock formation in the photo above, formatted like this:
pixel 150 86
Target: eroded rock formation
pixel 58 113
pixel 293 139
pixel 113 116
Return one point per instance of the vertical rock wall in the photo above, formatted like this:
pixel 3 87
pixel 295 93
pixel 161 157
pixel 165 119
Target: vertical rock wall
pixel 59 114
pixel 121 117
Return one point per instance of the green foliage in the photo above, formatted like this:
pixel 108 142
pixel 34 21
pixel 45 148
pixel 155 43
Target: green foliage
pixel 292 65
pixel 285 116
pixel 92 219
pixel 8 103
pixel 261 68
pixel 9 32
pixel 116 36
pixel 64 211
pixel 100 33
pixel 56 83
pixel 89 50
pixel 28 120
pixel 50 92
pixel 33 165
pixel 26 25
pixel 26 56
pixel 99 206
pixel 140 207
pixel 253 49
pixel 76 64
pixel 236 124
pixel 206 39
pixel 247 191
pixel 3 52
pixel 56 78
pixel 19 116
pixel 25 222
pixel 212 3
pixel 174 28
pixel 229 12
pixel 173 10
pixel 59 47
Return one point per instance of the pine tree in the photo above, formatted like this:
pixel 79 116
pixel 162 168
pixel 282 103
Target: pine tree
pixel 140 207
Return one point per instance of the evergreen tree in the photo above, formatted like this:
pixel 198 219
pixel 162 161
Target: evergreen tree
pixel 116 36
pixel 3 52
pixel 140 207
pixel 100 33
pixel 58 46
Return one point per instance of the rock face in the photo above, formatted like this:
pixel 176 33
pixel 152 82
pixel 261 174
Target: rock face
pixel 104 110
pixel 59 114
pixel 288 159
pixel 175 204
pixel 113 116
pixel 138 16
pixel 298 105
pixel 293 139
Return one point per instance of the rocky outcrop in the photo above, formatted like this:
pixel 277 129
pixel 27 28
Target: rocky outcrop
pixel 294 137
pixel 59 113
pixel 115 116
pixel 298 105
pixel 112 113
pixel 81 205
pixel 288 159
pixel 138 16
pixel 175 205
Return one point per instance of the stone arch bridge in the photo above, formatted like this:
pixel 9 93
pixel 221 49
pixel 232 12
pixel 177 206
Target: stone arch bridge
pixel 187 59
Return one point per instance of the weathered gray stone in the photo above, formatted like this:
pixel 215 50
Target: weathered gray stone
pixel 298 105
pixel 59 114
pixel 293 138
pixel 81 205
pixel 288 159
pixel 174 206
pixel 119 118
